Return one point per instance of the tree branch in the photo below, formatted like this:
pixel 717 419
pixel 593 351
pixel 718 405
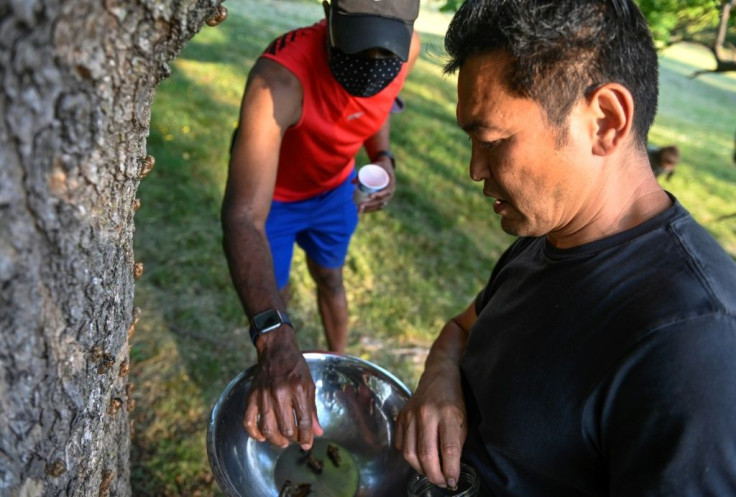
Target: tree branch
pixel 725 59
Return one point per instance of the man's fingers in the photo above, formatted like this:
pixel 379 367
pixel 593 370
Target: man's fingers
pixel 451 439
pixel 409 445
pixel 316 427
pixel 261 421
pixel 281 406
pixel 304 423
pixel 285 413
pixel 270 429
pixel 428 453
pixel 250 422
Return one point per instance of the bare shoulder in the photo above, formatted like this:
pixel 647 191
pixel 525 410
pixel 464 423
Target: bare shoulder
pixel 274 90
pixel 274 75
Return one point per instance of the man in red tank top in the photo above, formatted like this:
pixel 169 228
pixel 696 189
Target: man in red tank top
pixel 313 99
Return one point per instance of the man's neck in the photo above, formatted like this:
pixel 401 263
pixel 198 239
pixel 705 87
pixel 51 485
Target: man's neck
pixel 628 197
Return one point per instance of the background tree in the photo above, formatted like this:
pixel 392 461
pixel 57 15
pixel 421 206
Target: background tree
pixel 77 80
pixel 706 22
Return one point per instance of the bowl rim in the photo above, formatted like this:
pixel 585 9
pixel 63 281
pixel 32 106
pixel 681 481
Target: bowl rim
pixel 221 477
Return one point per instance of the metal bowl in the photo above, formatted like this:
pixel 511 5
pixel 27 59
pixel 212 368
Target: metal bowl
pixel 357 405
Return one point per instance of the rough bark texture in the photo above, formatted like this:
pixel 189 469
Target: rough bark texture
pixel 77 79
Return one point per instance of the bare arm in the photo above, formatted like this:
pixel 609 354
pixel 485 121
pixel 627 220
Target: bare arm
pixel 431 429
pixel 251 180
pixel 282 386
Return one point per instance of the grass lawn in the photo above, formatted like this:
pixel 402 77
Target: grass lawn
pixel 410 267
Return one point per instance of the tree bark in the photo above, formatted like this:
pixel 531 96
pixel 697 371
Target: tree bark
pixel 77 80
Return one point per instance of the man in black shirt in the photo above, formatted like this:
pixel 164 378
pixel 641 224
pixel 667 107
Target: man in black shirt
pixel 590 364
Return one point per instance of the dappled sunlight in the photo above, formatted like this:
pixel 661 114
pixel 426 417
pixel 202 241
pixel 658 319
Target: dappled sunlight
pixel 681 60
pixel 225 81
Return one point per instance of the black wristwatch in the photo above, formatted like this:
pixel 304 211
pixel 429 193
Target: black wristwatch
pixel 266 322
pixel 385 153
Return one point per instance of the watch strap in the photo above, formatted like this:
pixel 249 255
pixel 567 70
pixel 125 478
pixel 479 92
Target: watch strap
pixel 385 153
pixel 255 331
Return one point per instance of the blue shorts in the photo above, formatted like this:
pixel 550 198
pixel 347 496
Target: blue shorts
pixel 322 226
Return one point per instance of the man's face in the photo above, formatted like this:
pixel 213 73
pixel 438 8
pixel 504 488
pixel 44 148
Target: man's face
pixel 538 184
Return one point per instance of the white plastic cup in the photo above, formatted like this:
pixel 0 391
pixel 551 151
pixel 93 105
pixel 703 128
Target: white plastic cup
pixel 372 178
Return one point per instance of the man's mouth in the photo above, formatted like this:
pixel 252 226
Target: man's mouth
pixel 498 202
pixel 499 205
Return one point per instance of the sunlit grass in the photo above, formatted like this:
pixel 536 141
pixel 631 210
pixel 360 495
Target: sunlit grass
pixel 699 115
pixel 409 267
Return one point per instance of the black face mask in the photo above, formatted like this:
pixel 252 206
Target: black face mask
pixel 363 76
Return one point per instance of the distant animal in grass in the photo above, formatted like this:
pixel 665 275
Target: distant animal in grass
pixel 664 160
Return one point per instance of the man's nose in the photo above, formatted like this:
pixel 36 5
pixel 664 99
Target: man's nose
pixel 478 167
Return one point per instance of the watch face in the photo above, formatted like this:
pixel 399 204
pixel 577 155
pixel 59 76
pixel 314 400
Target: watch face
pixel 267 320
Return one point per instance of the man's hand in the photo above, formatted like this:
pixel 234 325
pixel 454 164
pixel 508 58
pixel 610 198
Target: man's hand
pixel 280 407
pixel 431 428
pixel 379 200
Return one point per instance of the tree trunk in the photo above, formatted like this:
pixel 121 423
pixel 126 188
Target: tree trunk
pixel 77 80
pixel 725 59
pixel 719 46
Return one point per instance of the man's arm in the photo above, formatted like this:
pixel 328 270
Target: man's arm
pixel 282 386
pixel 381 142
pixel 431 428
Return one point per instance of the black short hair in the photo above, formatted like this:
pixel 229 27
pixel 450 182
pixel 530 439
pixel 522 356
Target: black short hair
pixel 561 50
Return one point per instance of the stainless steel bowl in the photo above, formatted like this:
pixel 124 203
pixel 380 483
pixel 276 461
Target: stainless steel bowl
pixel 357 404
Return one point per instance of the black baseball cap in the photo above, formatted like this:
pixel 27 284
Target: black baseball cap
pixel 357 25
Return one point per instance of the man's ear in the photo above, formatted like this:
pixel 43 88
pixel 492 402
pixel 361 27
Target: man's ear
pixel 613 107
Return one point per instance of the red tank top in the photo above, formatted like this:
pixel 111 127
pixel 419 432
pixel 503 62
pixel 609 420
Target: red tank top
pixel 317 153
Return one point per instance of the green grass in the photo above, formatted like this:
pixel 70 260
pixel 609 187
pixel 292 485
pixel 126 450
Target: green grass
pixel 409 268
pixel 698 114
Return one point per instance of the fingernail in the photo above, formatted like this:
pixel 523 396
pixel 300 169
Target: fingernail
pixel 452 484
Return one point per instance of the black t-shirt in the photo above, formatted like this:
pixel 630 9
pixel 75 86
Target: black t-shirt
pixel 607 369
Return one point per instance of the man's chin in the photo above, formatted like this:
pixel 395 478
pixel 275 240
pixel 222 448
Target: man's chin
pixel 518 227
pixel 511 228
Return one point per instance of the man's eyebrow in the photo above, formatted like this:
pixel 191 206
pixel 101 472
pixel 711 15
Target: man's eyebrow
pixel 474 126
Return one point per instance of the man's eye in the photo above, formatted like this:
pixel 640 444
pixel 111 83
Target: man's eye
pixel 490 145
